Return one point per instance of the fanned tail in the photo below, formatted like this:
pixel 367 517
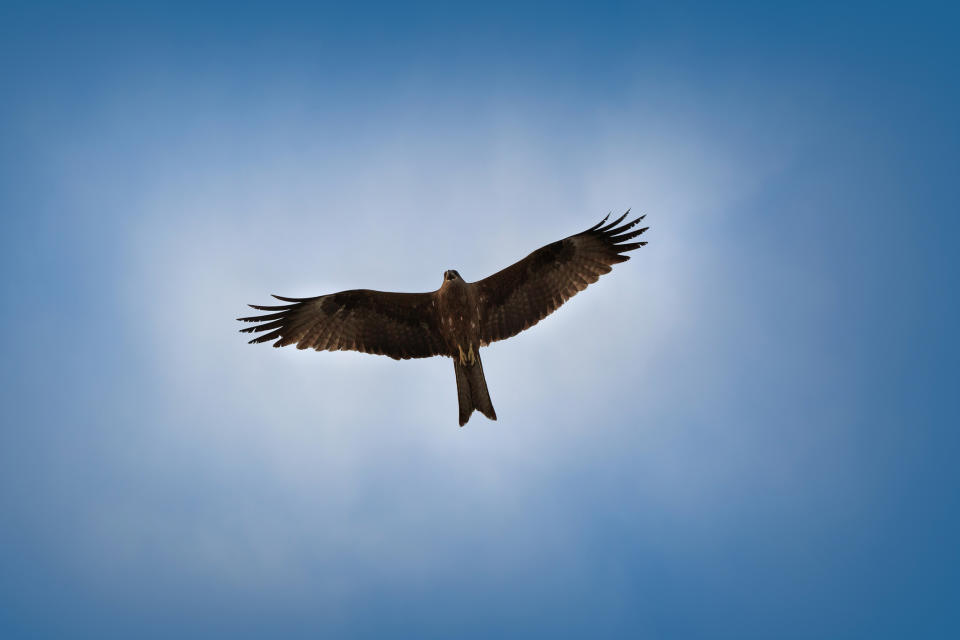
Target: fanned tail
pixel 472 390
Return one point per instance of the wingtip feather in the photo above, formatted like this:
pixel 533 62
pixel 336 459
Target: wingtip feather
pixel 615 222
pixel 599 224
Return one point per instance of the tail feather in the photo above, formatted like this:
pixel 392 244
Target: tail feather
pixel 472 390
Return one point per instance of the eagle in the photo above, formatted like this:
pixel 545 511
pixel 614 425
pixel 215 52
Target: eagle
pixel 459 317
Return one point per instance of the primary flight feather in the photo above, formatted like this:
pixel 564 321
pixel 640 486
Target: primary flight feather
pixel 459 317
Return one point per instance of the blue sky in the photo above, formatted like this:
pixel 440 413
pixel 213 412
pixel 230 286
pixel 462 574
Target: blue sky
pixel 748 430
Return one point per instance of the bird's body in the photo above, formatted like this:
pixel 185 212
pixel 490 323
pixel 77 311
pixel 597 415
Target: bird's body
pixel 458 312
pixel 458 318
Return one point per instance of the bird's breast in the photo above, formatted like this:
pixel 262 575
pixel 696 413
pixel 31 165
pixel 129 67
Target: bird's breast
pixel 459 317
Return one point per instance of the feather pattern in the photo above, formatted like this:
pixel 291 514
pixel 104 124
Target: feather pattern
pixel 399 325
pixel 526 292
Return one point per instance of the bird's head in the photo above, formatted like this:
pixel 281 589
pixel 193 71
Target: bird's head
pixel 451 275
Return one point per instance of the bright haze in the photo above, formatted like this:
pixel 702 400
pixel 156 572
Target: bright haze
pixel 744 431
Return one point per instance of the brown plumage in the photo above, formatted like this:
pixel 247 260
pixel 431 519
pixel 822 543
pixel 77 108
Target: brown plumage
pixel 458 318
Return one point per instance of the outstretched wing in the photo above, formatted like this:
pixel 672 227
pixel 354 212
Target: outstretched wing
pixel 399 325
pixel 528 291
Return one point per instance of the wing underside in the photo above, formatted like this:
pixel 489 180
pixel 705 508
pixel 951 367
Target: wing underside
pixel 524 293
pixel 399 325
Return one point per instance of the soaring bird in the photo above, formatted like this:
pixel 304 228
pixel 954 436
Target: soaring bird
pixel 459 317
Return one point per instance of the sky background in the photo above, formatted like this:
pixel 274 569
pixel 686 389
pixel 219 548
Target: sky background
pixel 749 430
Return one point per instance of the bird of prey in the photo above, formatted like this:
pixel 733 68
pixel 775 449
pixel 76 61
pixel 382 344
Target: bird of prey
pixel 459 317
